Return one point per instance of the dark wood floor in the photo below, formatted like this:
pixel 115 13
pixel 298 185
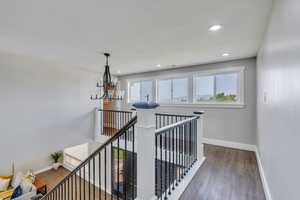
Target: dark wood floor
pixel 227 174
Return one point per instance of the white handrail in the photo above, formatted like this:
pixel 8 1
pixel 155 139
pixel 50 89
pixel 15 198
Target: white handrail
pixel 172 126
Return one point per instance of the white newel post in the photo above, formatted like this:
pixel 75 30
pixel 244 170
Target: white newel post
pixel 200 145
pixel 145 135
pixel 98 124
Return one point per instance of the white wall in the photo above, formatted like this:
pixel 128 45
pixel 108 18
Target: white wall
pixel 229 124
pixel 44 107
pixel 278 74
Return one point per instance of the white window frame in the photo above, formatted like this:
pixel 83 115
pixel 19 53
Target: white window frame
pixel 191 76
pixel 129 82
pixel 240 71
pixel 172 78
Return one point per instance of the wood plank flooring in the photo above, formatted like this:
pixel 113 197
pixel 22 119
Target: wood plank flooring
pixel 227 174
pixel 83 190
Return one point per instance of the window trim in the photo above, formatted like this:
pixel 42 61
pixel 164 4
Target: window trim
pixel 172 78
pixel 129 82
pixel 240 71
pixel 192 87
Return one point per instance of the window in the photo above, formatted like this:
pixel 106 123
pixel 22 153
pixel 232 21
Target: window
pixel 211 88
pixel 217 88
pixel 173 90
pixel 140 91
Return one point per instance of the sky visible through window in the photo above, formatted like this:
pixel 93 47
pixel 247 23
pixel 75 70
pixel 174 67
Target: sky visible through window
pixel 225 89
pixel 220 87
pixel 164 91
pixel 180 90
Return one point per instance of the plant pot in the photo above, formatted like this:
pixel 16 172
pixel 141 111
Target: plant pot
pixel 55 165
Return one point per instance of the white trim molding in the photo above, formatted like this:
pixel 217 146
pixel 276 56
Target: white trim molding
pixel 234 145
pixel 43 170
pixel 263 176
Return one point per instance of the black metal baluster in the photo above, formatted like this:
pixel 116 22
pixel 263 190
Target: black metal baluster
pixel 182 151
pixel 161 163
pixel 160 121
pixel 176 150
pixel 99 160
pixel 187 147
pixel 165 166
pixel 194 143
pixel 189 141
pixel 156 163
pixel 76 186
pixel 80 180
pixel 110 124
pixel 196 134
pixel 84 183
pixel 89 174
pixel 94 179
pixel 61 192
pixel 105 171
pixel 118 169
pixel 111 156
pixel 184 136
pixel 72 187
pixel 68 188
pixel 114 124
pixel 65 190
pixel 133 165
pixel 124 165
pixel 190 145
pixel 173 163
pixel 169 162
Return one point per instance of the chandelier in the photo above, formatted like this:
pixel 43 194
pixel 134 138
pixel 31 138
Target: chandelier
pixel 111 90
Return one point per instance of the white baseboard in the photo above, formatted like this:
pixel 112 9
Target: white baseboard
pixel 234 145
pixel 246 147
pixel 43 170
pixel 263 176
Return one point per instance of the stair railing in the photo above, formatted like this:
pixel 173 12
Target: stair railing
pixel 175 151
pixel 108 173
pixel 112 121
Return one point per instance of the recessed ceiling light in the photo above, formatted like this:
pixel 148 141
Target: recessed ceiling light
pixel 158 65
pixel 119 72
pixel 215 27
pixel 225 54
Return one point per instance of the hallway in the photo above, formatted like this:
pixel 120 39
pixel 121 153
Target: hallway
pixel 227 174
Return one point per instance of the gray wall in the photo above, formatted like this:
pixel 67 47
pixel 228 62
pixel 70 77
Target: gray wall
pixel 229 124
pixel 278 74
pixel 45 107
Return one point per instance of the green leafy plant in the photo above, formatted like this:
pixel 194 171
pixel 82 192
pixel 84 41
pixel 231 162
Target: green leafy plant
pixel 56 156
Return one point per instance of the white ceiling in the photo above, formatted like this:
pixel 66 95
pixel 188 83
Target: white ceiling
pixel 139 33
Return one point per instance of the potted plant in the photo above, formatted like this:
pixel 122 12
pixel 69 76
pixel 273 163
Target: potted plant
pixel 56 156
